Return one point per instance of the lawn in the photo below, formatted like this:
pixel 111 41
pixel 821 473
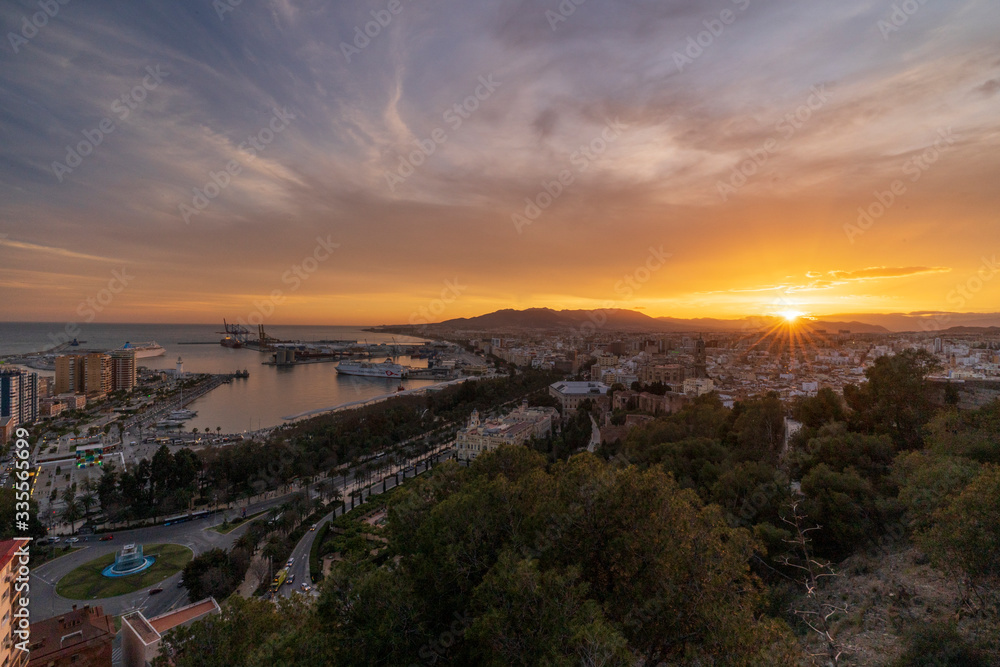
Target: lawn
pixel 87 583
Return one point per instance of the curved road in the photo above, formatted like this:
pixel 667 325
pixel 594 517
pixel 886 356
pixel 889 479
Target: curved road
pixel 46 603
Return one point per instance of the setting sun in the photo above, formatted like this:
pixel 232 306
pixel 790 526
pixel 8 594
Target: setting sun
pixel 791 315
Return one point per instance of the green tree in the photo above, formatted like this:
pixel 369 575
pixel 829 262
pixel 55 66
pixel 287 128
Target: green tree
pixel 965 535
pixel 896 399
pixel 8 514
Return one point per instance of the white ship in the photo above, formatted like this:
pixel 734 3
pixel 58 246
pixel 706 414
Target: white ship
pixel 143 350
pixel 386 369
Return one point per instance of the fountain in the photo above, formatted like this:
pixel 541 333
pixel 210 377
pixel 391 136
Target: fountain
pixel 129 560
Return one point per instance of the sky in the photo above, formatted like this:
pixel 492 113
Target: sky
pixel 315 162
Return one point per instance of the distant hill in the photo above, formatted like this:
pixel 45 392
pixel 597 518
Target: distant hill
pixel 631 321
pixel 926 320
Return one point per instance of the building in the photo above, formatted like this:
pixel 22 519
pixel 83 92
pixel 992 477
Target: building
pixel 698 386
pixel 72 401
pixel 19 396
pixel 668 374
pixel 88 374
pixel 82 638
pixel 13 603
pixel 572 394
pixel 142 638
pixel 700 364
pixel 68 368
pixel 123 370
pixel 50 407
pixel 7 429
pixel 514 429
pixel 98 375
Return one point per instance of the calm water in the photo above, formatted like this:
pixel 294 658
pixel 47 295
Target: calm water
pixel 270 392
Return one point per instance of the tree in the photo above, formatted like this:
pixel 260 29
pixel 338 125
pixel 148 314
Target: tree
pixel 71 514
pixel 966 533
pixel 8 514
pixel 758 430
pixel 896 398
pixel 815 411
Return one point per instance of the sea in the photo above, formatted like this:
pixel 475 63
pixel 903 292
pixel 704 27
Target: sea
pixel 270 394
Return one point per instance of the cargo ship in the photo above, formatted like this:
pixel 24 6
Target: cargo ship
pixel 143 350
pixel 386 369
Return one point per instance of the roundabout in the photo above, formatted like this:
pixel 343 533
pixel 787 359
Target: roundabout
pixel 134 568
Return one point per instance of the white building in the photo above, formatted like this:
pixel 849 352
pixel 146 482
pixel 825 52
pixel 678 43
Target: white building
pixel 514 429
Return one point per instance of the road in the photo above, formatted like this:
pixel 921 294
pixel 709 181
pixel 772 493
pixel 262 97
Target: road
pixel 46 603
pixel 300 567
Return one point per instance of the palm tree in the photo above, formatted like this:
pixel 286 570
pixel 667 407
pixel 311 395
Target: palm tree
pixel 71 514
pixel 87 500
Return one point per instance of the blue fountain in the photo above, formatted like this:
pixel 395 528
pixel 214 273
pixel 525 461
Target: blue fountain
pixel 129 561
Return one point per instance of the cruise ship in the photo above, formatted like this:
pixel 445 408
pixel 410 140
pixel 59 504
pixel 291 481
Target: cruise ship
pixel 386 369
pixel 143 350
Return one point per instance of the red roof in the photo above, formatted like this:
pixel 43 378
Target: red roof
pixel 7 550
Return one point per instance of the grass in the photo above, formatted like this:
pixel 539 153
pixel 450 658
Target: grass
pixel 40 555
pixel 87 583
pixel 225 528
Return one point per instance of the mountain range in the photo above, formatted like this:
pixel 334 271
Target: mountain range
pixel 634 321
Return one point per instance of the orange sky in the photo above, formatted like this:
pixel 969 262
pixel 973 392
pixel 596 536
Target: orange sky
pixel 824 109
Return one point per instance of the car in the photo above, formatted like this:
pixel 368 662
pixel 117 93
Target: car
pixel 72 540
pixel 107 538
pixel 154 591
pixel 55 540
pixel 312 527
pixel 291 579
pixel 290 561
pixel 306 587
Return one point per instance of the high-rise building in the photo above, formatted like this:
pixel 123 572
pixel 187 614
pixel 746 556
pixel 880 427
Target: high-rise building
pixel 98 374
pixel 69 374
pixel 19 396
pixel 123 370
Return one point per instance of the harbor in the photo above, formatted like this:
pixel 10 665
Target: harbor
pixel 242 405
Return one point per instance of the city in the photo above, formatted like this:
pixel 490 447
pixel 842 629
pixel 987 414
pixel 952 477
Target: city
pixel 610 333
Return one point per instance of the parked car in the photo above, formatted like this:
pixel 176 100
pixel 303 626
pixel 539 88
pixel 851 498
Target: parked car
pixel 55 540
pixel 72 540
pixel 107 538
